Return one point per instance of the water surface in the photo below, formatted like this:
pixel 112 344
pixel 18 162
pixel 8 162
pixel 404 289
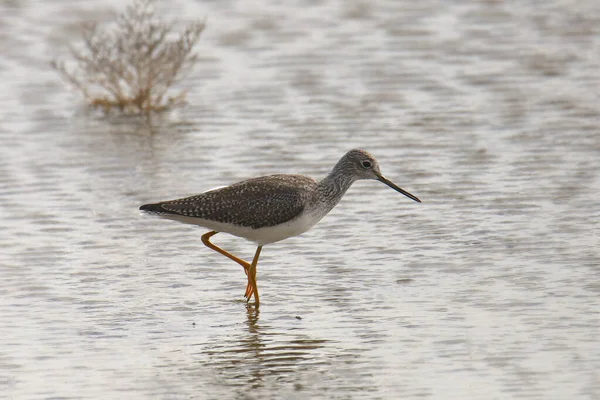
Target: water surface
pixel 488 111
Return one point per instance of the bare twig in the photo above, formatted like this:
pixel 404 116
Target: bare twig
pixel 131 65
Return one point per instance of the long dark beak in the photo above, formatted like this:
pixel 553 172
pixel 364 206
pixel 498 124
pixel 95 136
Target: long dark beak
pixel 391 184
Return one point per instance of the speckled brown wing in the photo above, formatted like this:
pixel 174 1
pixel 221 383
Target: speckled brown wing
pixel 256 203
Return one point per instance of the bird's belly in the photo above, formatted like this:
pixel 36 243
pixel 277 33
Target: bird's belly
pixel 260 236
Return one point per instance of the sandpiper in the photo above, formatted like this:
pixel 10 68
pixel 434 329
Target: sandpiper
pixel 270 208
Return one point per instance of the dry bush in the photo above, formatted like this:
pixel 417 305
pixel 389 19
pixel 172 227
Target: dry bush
pixel 130 65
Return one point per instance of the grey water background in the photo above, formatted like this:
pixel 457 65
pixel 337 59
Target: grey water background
pixel 489 111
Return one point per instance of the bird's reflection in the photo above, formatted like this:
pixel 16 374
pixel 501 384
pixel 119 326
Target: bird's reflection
pixel 261 352
pixel 254 344
pixel 252 314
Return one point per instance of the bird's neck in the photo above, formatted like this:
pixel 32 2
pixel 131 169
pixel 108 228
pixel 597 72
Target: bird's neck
pixel 333 187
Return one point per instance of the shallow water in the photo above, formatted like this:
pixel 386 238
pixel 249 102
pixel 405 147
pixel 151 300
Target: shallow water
pixel 488 111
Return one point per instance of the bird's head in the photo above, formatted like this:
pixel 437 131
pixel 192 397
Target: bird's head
pixel 364 166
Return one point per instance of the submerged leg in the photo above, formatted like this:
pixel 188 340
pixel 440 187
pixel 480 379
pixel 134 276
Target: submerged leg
pixel 252 277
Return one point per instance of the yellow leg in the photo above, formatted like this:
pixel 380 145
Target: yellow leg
pixel 206 240
pixel 251 287
pixel 252 277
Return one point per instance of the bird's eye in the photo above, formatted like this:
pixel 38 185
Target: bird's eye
pixel 366 164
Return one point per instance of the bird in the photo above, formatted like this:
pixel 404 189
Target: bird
pixel 270 208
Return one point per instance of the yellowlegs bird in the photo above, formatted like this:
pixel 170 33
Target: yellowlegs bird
pixel 270 208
